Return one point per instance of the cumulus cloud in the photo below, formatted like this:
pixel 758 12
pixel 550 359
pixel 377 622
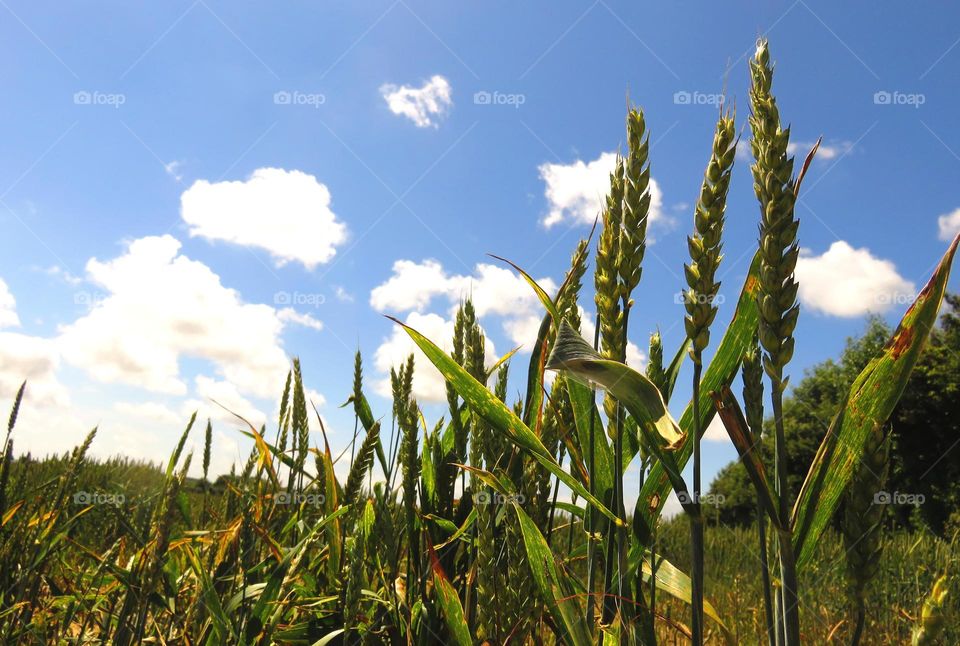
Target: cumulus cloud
pixel 423 105
pixel 496 292
pixel 8 307
pixel 414 287
pixel 160 307
pixel 493 289
pixel 219 400
pixel 150 411
pixel 286 213
pixel 428 383
pixel 949 225
pixel 576 191
pixel 848 282
pixel 36 360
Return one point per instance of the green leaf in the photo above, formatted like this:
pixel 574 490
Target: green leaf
pixel 639 396
pixel 721 371
pixel 869 403
pixel 637 393
pixel 674 582
pixel 222 627
pixel 449 603
pixel 582 402
pixel 673 370
pixel 555 586
pixel 501 418
pixel 736 425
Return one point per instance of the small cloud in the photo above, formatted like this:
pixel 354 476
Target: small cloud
pixel 825 152
pixel 8 307
pixel 576 191
pixel 342 294
pixel 290 315
pixel 949 225
pixel 63 274
pixel 173 170
pixel 422 105
pixel 287 213
pixel 849 282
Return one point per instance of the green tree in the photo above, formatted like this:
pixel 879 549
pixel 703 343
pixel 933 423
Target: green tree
pixel 925 425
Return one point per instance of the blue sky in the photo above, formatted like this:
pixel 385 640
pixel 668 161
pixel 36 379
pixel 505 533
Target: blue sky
pixel 194 191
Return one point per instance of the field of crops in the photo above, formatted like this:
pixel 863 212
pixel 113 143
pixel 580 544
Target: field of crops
pixel 458 530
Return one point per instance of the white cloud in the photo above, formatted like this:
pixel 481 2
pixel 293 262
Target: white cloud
pixel 428 383
pixel 287 213
pixel 36 360
pixel 342 294
pixel 799 149
pixel 849 282
pixel 636 358
pixel 290 315
pixel 422 105
pixel 174 170
pixel 949 225
pixel 825 152
pixel 577 191
pixel 220 399
pixel 716 431
pixel 150 411
pixel 160 307
pixel 494 290
pixel 8 307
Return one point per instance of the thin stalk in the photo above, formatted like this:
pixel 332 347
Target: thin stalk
pixel 765 574
pixel 591 520
pixel 858 629
pixel 696 518
pixel 788 566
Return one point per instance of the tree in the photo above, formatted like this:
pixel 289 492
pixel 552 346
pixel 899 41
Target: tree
pixel 925 455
